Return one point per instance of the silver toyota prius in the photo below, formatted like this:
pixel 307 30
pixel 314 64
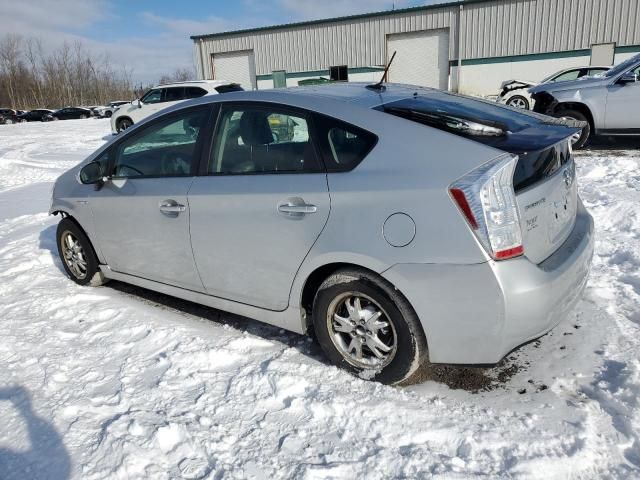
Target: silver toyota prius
pixel 398 225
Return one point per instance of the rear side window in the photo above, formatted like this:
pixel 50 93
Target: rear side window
pixel 194 92
pixel 234 87
pixel 343 145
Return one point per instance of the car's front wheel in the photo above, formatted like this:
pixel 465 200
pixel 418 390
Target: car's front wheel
pixel 518 101
pixel 122 124
pixel 367 327
pixel 579 139
pixel 108 113
pixel 77 254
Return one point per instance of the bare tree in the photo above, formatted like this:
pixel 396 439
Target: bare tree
pixel 69 75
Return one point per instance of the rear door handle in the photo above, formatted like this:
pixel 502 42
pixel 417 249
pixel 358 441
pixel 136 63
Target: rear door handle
pixel 292 209
pixel 171 206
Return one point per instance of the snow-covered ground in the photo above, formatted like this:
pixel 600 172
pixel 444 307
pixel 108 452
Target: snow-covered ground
pixel 119 382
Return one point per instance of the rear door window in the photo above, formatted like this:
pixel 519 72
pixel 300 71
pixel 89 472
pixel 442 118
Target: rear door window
pixel 570 75
pixel 262 139
pixel 174 94
pixel 194 92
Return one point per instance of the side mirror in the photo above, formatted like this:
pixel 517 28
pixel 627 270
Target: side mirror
pixel 92 174
pixel 628 78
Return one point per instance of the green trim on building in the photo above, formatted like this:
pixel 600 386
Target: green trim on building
pixel 340 19
pixel 543 56
pixel 628 49
pixel 526 58
pixel 320 73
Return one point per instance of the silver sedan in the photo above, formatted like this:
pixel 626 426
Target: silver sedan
pixel 400 225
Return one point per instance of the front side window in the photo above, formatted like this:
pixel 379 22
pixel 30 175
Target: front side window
pixel 152 96
pixel 262 140
pixel 165 149
pixel 571 75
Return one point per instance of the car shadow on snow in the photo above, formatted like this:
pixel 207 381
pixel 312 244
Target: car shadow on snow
pixel 615 145
pixel 46 457
pixel 472 379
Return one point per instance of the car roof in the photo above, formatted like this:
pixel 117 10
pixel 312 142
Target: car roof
pixel 195 83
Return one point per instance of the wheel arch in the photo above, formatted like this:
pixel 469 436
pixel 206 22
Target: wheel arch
pixel 317 277
pixel 580 107
pixel 68 215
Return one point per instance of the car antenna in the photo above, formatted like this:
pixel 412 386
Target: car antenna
pixel 379 86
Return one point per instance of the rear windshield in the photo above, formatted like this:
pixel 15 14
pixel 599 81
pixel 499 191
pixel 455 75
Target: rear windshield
pixel 439 108
pixel 234 87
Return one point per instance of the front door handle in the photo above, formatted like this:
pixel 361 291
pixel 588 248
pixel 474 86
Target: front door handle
pixel 171 206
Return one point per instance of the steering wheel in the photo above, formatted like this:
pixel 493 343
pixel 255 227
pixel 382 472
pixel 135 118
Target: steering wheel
pixel 174 163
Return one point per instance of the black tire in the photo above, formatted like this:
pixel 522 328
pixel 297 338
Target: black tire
pixel 92 274
pixel 411 344
pixel 518 101
pixel 582 140
pixel 108 113
pixel 123 123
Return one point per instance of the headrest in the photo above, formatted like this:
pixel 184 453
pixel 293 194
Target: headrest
pixel 254 128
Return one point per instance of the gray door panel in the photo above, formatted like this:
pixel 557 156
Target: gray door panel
pixel 142 226
pixel 247 248
pixel 623 105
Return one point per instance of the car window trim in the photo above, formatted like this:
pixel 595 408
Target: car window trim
pixel 111 151
pixel 307 115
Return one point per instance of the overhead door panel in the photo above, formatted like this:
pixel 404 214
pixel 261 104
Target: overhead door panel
pixel 422 58
pixel 237 67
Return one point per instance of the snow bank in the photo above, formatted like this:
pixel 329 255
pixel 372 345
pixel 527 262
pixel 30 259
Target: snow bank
pixel 119 382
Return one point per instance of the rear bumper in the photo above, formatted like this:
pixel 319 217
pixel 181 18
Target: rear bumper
pixel 476 314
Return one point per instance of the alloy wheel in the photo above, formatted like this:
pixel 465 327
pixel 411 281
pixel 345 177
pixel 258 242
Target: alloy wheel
pixel 361 331
pixel 518 102
pixel 74 255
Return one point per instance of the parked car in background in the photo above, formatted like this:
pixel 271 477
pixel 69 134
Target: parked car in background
pixel 342 218
pixel 10 116
pixel 2 120
pixel 515 92
pixel 107 110
pixel 608 104
pixel 164 96
pixel 36 115
pixel 69 113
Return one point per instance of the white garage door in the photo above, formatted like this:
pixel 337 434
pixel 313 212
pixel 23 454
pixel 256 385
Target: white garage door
pixel 237 67
pixel 422 58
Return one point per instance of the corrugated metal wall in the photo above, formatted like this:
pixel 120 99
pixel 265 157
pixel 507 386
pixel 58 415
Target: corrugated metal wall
pixel 358 42
pixel 488 29
pixel 521 27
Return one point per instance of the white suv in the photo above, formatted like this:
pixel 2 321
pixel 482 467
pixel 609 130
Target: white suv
pixel 164 96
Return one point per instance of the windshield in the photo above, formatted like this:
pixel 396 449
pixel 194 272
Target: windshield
pixel 622 66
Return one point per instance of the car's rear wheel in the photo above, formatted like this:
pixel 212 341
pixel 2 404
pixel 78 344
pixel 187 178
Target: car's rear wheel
pixel 77 254
pixel 108 114
pixel 518 101
pixel 123 124
pixel 83 117
pixel 367 327
pixel 580 139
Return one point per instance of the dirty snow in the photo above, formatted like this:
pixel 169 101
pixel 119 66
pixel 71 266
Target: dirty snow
pixel 119 382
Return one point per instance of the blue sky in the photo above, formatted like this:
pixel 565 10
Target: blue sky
pixel 151 37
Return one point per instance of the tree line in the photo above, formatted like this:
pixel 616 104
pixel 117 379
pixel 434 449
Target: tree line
pixel 32 76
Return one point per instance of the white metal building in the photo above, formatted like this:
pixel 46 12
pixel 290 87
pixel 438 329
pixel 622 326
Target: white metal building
pixel 469 46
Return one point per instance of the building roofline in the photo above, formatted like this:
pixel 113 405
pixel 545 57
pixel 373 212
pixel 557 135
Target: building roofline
pixel 445 4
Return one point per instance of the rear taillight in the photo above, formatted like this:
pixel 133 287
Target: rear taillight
pixel 487 200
